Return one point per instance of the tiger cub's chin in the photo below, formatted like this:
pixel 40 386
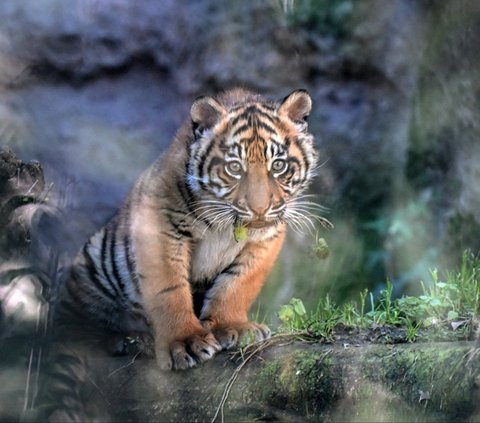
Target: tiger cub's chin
pixel 170 257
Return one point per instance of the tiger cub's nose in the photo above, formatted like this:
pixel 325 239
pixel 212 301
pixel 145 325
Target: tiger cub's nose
pixel 260 210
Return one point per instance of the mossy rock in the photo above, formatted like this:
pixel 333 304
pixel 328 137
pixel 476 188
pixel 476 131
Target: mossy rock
pixel 299 381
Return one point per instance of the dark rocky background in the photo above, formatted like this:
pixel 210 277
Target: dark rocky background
pixel 94 90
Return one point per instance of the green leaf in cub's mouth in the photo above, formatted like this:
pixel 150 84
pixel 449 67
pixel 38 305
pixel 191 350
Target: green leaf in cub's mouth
pixel 240 232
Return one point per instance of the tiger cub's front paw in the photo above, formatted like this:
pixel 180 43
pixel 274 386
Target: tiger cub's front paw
pixel 229 336
pixel 181 355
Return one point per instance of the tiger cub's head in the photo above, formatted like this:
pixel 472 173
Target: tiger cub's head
pixel 250 158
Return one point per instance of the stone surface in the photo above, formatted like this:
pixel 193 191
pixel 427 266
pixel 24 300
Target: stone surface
pixel 296 382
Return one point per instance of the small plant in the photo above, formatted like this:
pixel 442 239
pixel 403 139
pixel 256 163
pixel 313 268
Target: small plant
pixel 322 322
pixel 444 305
pixel 411 329
pixel 387 311
pixel 293 316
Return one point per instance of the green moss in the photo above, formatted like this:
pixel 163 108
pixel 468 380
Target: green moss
pixel 374 383
pixel 436 376
pixel 303 382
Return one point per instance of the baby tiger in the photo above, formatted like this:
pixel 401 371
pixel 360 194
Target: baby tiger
pixel 169 264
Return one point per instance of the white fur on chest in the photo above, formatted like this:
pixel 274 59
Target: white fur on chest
pixel 213 254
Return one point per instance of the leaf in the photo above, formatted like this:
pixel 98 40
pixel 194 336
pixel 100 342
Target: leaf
pixel 452 314
pixel 286 313
pixel 298 306
pixel 240 233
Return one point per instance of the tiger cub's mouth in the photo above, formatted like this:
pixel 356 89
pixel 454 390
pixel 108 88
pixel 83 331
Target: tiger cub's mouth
pixel 260 224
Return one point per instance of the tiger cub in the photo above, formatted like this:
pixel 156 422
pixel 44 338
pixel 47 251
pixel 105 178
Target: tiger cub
pixel 169 263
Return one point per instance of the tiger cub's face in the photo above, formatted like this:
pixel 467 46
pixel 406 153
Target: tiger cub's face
pixel 250 158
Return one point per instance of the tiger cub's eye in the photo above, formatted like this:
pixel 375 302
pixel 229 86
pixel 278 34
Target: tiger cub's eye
pixel 279 165
pixel 235 168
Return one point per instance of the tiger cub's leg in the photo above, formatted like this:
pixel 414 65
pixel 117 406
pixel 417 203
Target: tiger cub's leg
pixel 163 262
pixel 233 292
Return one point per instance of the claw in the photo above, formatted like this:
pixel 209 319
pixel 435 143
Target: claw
pixel 189 352
pixel 230 336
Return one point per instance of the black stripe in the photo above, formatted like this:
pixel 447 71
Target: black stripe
pixel 113 257
pixel 265 150
pixel 237 107
pixel 243 115
pixel 175 211
pixel 238 149
pixel 299 143
pixel 179 230
pixel 281 150
pixel 222 144
pixel 175 236
pixel 105 271
pixel 170 288
pixel 176 260
pixel 265 127
pixel 266 115
pixel 259 139
pixel 245 127
pixel 291 160
pixel 225 178
pixel 188 197
pixel 216 185
pixel 253 115
pixel 134 278
pixel 184 188
pixel 130 264
pixel 270 107
pixel 186 193
pixel 215 161
pixel 201 163
pixel 230 269
pixel 213 183
pixel 246 140
pixel 93 274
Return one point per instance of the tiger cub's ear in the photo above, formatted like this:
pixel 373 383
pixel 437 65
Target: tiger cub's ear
pixel 205 113
pixel 296 106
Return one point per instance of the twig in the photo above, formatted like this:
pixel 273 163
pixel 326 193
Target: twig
pixel 125 365
pixel 229 385
pixel 260 346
